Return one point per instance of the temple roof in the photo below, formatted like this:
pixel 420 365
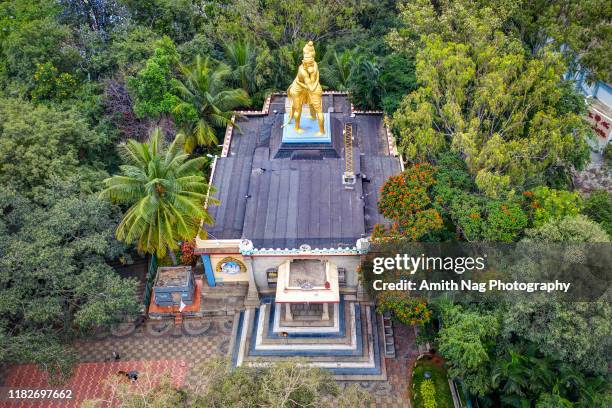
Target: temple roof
pixel 299 199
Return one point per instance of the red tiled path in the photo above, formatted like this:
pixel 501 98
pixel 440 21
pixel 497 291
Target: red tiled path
pixel 87 382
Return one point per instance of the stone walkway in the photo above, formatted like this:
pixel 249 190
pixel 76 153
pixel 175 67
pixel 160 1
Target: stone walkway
pixel 199 339
pixel 195 342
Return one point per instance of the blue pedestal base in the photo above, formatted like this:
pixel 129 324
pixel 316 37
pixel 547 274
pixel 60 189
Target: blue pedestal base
pixel 310 127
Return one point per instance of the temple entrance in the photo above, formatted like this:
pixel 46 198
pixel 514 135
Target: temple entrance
pixel 307 311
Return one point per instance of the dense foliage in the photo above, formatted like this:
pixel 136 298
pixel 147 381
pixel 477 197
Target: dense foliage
pixel 483 95
pixel 55 282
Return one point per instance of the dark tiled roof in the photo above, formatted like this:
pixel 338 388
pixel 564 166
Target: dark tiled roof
pixel 284 203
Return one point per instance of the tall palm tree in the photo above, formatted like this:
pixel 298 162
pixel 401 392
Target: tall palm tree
pixel 205 102
pixel 167 192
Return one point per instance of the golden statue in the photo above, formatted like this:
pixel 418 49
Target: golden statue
pixel 306 89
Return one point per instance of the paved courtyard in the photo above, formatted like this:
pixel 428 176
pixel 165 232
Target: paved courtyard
pixel 182 348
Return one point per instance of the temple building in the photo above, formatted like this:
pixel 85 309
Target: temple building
pixel 298 200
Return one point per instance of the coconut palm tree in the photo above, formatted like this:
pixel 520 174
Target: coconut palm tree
pixel 337 70
pixel 364 82
pixel 205 102
pixel 240 56
pixel 166 190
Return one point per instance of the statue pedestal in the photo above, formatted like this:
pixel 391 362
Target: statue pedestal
pixel 310 127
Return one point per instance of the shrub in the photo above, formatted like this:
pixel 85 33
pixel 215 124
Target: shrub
pixel 403 308
pixel 547 204
pixel 598 207
pixel 428 394
pixel 187 255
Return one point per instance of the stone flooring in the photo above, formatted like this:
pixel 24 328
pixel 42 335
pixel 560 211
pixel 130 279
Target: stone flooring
pixel 195 341
pixel 200 339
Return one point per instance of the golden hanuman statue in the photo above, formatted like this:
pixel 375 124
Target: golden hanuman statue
pixel 306 89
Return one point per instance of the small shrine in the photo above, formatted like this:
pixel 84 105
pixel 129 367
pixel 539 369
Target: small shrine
pixel 174 285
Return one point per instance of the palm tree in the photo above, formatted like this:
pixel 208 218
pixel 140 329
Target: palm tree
pixel 205 103
pixel 511 372
pixel 240 56
pixel 166 190
pixel 337 70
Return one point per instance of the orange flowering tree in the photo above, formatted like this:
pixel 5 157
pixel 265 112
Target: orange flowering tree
pixel 406 200
pixel 403 308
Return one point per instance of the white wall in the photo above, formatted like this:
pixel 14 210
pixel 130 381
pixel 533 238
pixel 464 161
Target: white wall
pixel 262 263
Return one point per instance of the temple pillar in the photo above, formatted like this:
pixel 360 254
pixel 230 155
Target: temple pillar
pixel 252 297
pixel 325 315
pixel 288 315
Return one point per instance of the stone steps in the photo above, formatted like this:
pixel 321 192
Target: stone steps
pixel 224 290
pixel 353 353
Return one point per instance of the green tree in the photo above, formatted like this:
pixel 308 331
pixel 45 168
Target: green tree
pixel 30 34
pixel 474 217
pixel 152 87
pixel 205 104
pixel 50 84
pixel 280 23
pixel 166 191
pixel 177 19
pixel 466 340
pixel 131 49
pixel 40 144
pixel 483 96
pixel 396 79
pixel 56 284
pixel 582 27
pixel 571 332
pixel 598 207
pixel 364 82
pixel 548 204
pixel 240 56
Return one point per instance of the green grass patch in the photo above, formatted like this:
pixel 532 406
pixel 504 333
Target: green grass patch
pixel 443 396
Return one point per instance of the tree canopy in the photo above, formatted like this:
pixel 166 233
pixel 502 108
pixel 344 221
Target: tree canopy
pixel 496 106
pixel 54 280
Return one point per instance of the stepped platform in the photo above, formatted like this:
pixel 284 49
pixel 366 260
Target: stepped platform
pixel 349 344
